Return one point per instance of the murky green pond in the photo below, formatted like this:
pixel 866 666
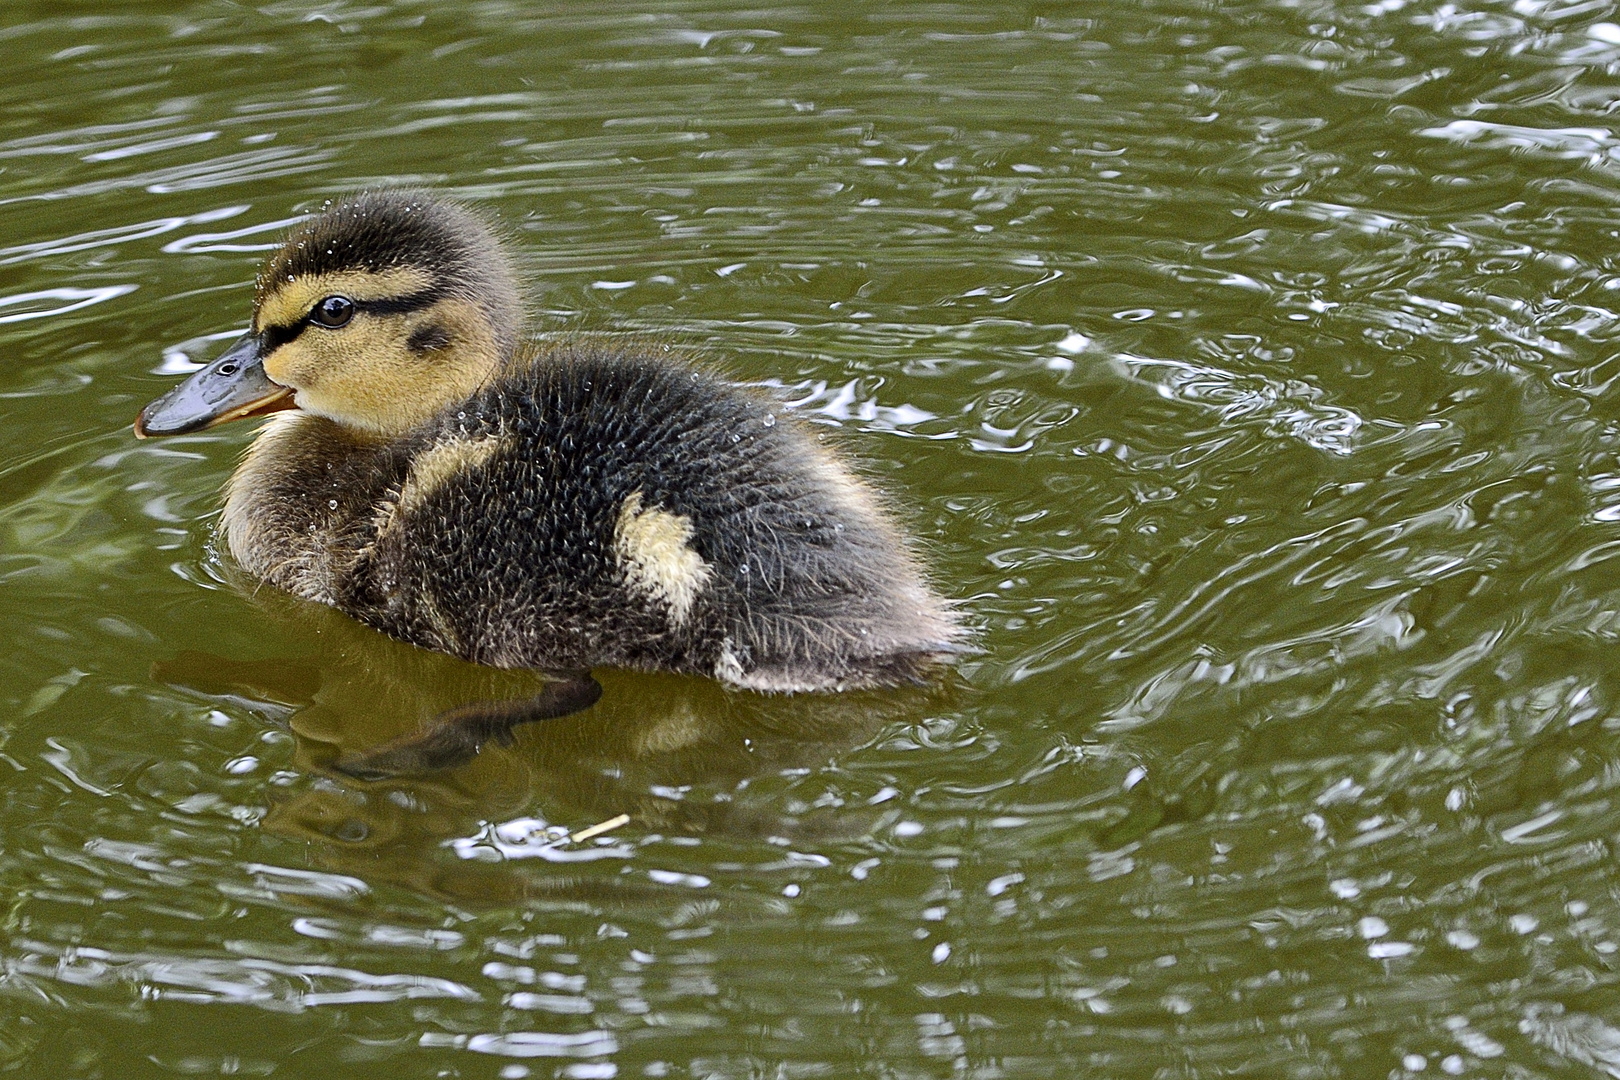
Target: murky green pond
pixel 1248 371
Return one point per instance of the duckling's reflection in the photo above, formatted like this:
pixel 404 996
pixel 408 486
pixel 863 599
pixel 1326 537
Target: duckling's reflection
pixel 647 735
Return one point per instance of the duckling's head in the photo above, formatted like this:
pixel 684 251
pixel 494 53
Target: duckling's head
pixel 376 314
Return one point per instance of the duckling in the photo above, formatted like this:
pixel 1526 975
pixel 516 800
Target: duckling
pixel 437 476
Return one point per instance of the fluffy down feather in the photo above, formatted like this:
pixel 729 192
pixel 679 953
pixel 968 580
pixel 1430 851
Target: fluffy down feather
pixel 494 532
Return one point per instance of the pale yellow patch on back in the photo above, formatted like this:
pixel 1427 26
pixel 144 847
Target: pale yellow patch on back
pixel 652 548
pixel 441 463
pixel 286 302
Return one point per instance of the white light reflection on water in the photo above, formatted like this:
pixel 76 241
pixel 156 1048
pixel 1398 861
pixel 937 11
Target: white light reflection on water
pixel 37 304
pixel 267 984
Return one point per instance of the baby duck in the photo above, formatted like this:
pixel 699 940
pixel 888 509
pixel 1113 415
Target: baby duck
pixel 555 507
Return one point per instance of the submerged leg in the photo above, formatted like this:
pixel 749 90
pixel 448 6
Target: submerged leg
pixel 456 735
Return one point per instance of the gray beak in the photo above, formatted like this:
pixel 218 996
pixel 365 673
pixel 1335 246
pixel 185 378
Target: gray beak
pixel 230 388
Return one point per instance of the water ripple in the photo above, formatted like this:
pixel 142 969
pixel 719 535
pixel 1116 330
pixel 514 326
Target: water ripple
pixel 36 305
pixel 266 984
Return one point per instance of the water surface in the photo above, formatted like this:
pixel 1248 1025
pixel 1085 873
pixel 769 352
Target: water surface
pixel 1245 369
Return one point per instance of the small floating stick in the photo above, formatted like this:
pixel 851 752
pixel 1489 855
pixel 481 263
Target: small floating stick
pixel 599 828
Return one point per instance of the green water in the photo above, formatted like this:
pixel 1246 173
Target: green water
pixel 1247 370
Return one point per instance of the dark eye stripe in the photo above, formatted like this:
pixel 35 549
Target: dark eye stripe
pixel 277 336
pixel 399 305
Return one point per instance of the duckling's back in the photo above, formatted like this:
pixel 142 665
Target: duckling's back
pixel 597 508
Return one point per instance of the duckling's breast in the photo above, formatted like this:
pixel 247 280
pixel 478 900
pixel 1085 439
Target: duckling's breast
pixel 300 508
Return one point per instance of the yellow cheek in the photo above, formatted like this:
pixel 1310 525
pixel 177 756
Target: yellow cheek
pixel 277 367
pixel 289 366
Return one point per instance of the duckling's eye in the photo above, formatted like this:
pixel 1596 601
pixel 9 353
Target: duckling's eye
pixel 332 312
